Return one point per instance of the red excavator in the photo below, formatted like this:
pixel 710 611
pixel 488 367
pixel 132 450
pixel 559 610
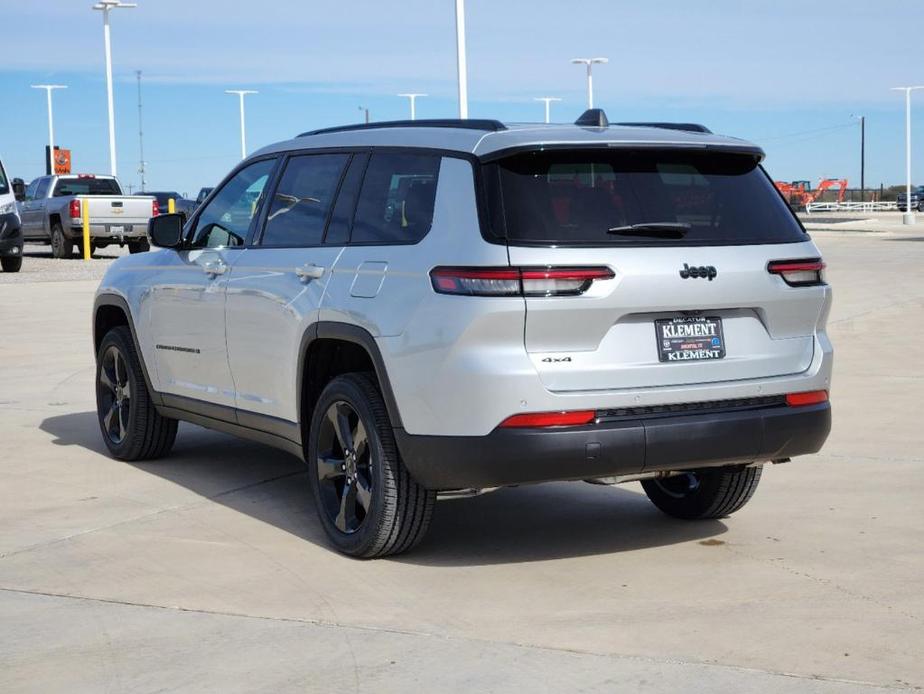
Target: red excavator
pixel 798 194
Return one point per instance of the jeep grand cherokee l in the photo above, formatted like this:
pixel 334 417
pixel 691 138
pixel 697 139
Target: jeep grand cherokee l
pixel 416 307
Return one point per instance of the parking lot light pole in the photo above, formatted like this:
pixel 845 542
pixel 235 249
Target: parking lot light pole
pixel 908 217
pixel 589 62
pixel 241 93
pixel 548 100
pixel 413 99
pixel 461 68
pixel 106 6
pixel 51 124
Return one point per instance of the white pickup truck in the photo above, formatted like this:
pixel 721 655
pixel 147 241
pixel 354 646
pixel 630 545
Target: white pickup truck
pixel 52 213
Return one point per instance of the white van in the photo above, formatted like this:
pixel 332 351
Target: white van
pixel 10 226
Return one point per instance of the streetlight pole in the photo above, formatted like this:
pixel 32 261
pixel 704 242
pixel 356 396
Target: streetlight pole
pixel 548 100
pixel 142 167
pixel 241 93
pixel 51 124
pixel 908 217
pixel 413 100
pixel 589 62
pixel 366 112
pixel 461 68
pixel 106 6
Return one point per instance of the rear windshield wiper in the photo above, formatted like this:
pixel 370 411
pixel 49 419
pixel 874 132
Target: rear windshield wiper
pixel 667 230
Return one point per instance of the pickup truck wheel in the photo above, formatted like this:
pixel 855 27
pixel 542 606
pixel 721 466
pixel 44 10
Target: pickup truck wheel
pixel 80 249
pixel 703 494
pixel 131 426
pixel 139 246
pixel 11 263
pixel 368 503
pixel 61 246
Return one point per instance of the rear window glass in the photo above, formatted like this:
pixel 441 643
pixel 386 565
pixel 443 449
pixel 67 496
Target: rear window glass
pixel 397 198
pixel 86 186
pixel 610 197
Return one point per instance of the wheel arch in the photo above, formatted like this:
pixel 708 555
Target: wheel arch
pixel 110 311
pixel 359 349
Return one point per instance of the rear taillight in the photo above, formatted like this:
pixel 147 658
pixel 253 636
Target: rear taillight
pixel 535 420
pixel 812 397
pixel 517 281
pixel 799 273
pixel 74 209
pixel 155 208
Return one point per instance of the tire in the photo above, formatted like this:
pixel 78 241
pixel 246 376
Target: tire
pixel 131 427
pixel 374 484
pixel 61 246
pixel 80 249
pixel 11 263
pixel 141 246
pixel 703 494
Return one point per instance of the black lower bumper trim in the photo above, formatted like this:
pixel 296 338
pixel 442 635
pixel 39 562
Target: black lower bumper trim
pixel 625 447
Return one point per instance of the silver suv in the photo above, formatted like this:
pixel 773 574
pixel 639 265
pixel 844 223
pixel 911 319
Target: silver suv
pixel 433 306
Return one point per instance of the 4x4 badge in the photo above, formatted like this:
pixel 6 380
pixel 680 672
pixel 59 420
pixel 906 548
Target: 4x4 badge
pixel 705 271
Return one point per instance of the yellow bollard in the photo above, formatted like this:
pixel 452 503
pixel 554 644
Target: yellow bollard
pixel 85 214
pixel 171 206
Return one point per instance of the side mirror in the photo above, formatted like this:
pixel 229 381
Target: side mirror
pixel 166 230
pixel 19 189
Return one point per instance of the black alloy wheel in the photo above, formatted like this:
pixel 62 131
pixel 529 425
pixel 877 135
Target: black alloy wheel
pixel 115 395
pixel 367 502
pixel 344 468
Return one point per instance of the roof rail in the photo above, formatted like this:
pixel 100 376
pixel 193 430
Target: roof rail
pixel 460 123
pixel 686 127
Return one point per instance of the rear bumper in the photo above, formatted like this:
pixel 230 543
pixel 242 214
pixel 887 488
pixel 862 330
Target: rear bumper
pixel 11 239
pixel 103 232
pixel 623 447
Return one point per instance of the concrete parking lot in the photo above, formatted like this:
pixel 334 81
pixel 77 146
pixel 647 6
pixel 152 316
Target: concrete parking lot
pixel 208 570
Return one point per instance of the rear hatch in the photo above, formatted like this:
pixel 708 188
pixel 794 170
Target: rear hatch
pixel 688 236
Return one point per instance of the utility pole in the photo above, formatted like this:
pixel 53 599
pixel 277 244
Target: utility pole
pixel 141 163
pixel 862 120
pixel 366 111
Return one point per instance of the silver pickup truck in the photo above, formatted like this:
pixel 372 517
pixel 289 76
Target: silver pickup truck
pixel 52 213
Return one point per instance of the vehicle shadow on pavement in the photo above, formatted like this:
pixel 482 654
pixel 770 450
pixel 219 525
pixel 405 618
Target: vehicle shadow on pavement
pixel 522 524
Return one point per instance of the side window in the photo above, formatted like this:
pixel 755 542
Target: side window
pixel 338 231
pixel 30 190
pixel 41 190
pixel 299 207
pixel 397 198
pixel 226 219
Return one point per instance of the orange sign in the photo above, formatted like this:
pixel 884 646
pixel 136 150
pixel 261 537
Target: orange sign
pixel 62 161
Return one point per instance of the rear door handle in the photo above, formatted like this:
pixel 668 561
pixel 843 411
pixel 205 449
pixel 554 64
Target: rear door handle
pixel 213 268
pixel 309 272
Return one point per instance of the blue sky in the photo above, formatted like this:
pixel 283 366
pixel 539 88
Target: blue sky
pixel 786 74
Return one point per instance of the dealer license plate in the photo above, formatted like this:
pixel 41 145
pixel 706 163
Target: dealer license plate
pixel 690 338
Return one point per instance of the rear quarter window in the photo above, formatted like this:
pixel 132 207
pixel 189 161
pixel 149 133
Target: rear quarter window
pixel 578 197
pixel 397 198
